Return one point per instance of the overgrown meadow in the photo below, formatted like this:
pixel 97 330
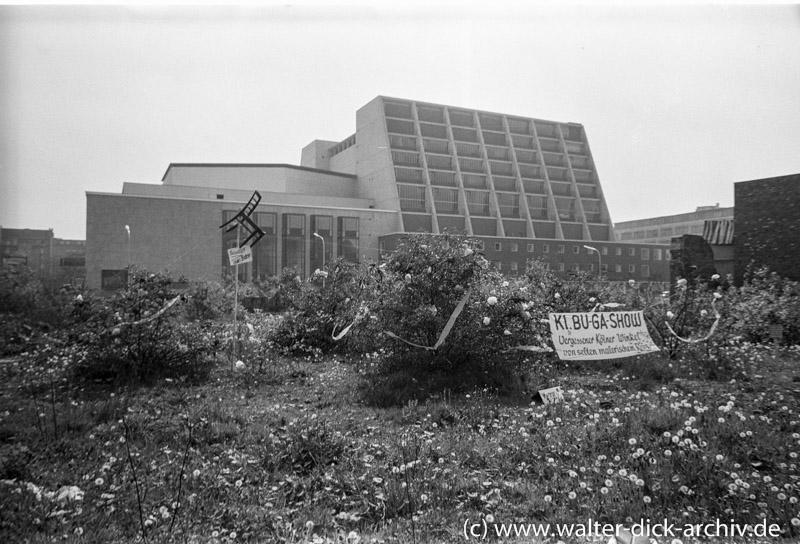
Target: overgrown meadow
pixel 395 402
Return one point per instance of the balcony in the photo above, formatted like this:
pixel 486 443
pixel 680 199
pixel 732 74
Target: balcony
pixel 408 175
pixel 436 146
pixel 440 162
pixel 557 174
pixel 446 179
pixel 404 158
pixel 433 131
pixel 549 145
pixel 468 150
pixel 471 165
pixel 526 156
pixel 561 189
pixel 398 126
pixel 402 142
pixel 530 171
pixel 494 138
pixel 501 168
pixel 473 181
pixel 491 122
pixel 535 187
pixel 430 115
pixel 522 142
pixel 551 159
pixel 519 126
pixel 588 191
pixel 500 153
pixel 465 134
pixel 502 183
pixel 461 119
pixel 394 109
pixel 546 130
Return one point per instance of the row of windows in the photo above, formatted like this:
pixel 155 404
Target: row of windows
pixel 667 231
pixel 644 270
pixel 296 239
pixel 644 252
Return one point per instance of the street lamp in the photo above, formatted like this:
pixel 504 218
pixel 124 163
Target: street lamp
pixel 128 230
pixel 599 261
pixel 323 255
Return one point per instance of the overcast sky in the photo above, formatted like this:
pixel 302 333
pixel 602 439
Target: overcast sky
pixel 678 103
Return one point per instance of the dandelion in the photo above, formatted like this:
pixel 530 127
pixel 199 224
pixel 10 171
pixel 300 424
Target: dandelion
pixel 703 313
pixel 604 490
pixel 238 483
pixel 98 481
pixel 796 522
pixel 719 457
pixel 632 441
pixel 232 535
pixel 667 453
pixel 489 518
pixel 572 495
pixel 646 499
pixel 548 498
pixel 196 472
pixel 491 301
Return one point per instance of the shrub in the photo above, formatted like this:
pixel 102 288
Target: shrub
pixel 327 303
pixel 134 338
pixel 420 286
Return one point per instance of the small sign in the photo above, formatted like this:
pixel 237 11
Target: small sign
pixel 600 335
pixel 240 255
pixel 552 395
pixel 776 333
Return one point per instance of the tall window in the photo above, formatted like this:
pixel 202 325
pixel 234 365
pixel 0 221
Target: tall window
pixel 265 252
pixel 348 238
pixel 294 242
pixel 322 225
pixel 228 242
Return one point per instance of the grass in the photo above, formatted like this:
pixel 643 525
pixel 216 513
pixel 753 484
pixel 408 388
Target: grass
pixel 293 454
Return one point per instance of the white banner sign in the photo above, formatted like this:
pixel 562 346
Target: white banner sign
pixel 240 255
pixel 600 335
pixel 552 395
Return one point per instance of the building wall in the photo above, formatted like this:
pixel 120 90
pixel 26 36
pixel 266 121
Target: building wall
pixel 183 235
pixel 275 178
pixel 511 255
pixel 767 225
pixel 660 230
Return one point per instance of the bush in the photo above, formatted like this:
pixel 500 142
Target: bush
pixel 420 286
pixel 135 338
pixel 327 303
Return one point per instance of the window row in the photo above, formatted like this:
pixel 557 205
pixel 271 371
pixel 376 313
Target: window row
pixel 301 237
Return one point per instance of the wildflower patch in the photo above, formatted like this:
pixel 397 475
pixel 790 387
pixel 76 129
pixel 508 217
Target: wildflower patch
pixel 603 335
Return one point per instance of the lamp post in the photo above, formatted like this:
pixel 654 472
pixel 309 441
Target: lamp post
pixel 323 255
pixel 599 261
pixel 128 231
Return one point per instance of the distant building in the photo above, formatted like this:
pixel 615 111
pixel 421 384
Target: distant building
pixel 767 225
pixel 660 230
pixel 52 260
pixel 527 188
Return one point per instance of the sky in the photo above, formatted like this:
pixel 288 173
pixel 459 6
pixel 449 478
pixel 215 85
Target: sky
pixel 678 103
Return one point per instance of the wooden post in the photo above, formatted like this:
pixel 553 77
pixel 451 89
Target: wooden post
pixel 236 305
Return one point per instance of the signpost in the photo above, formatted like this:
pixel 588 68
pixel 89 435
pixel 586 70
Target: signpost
pixel 240 255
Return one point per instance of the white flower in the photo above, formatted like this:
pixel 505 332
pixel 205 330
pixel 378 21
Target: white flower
pixel 487 320
pixel 557 296
pixel 408 277
pixel 670 315
pixel 715 277
pixel 467 252
pixel 505 284
pixel 631 282
pixel 433 310
pixel 507 332
pixel 79 298
pixel 717 295
pixel 703 313
pixel 592 300
pixel 491 301
pixel 682 282
pixel 240 365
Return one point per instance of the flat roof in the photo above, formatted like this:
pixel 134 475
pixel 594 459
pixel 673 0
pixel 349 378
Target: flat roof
pixel 253 165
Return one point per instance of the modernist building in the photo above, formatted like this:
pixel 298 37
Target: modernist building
pixel 527 187
pixel 660 230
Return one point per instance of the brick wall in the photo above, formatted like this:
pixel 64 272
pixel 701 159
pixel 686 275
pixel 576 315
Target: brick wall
pixel 767 225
